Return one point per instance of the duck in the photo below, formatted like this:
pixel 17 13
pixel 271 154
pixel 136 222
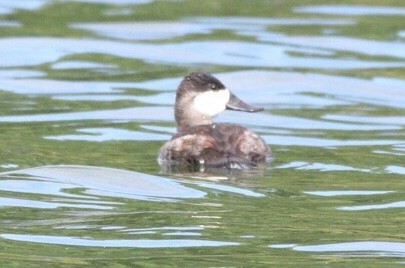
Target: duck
pixel 199 142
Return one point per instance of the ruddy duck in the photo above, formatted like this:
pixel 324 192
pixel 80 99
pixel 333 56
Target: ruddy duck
pixel 201 143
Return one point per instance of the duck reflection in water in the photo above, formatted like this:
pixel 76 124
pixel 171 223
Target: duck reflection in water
pixel 199 142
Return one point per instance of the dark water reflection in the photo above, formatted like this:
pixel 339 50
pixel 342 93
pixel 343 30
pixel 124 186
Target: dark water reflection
pixel 83 113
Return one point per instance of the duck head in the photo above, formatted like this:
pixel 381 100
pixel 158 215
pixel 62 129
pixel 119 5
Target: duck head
pixel 200 97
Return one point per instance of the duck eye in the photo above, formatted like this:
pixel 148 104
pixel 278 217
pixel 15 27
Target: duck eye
pixel 213 86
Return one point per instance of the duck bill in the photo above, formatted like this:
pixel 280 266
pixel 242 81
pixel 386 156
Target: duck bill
pixel 237 104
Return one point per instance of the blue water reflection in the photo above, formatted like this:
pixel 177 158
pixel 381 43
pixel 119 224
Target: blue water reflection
pixel 9 6
pixel 363 248
pixel 396 169
pixel 81 65
pixel 118 243
pixel 228 53
pixel 393 205
pixel 272 89
pixel 350 10
pixel 97 182
pixel 20 73
pixel 301 165
pixel 9 23
pixel 115 2
pixel 347 193
pixel 100 181
pixel 151 30
pixel 110 134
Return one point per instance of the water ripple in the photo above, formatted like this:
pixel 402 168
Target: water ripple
pixel 347 193
pixel 399 204
pixel 363 248
pixel 109 134
pixel 101 181
pixel 151 30
pixel 9 6
pixel 300 165
pixel 229 53
pixel 350 10
pixel 396 169
pixel 165 114
pixel 116 243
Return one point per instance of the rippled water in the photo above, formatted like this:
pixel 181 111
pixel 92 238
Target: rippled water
pixel 86 96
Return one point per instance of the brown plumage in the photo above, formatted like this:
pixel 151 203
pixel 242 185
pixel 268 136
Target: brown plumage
pixel 201 143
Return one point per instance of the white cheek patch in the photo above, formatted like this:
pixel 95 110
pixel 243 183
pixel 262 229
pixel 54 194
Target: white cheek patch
pixel 212 102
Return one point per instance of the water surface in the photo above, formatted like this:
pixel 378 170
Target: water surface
pixel 86 100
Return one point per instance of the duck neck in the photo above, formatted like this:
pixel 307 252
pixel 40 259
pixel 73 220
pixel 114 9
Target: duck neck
pixel 191 118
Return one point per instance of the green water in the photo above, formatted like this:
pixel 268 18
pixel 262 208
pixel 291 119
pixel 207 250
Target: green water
pixel 331 85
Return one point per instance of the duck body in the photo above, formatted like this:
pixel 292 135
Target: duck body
pixel 201 143
pixel 215 145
